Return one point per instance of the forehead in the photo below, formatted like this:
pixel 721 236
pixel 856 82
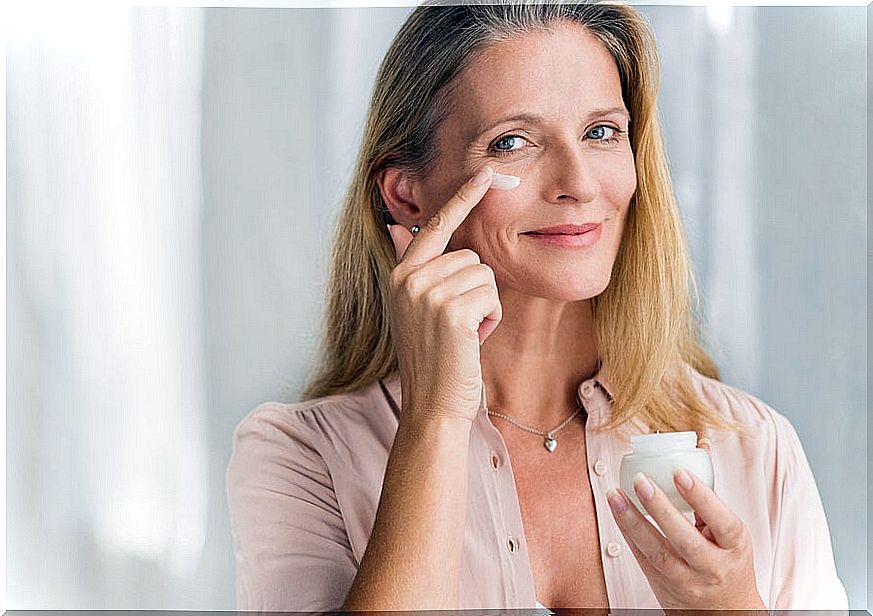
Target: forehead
pixel 561 74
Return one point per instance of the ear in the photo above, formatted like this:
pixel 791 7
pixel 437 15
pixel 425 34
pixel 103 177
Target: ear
pixel 401 196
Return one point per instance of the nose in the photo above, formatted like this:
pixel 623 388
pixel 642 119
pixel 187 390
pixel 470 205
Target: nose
pixel 572 175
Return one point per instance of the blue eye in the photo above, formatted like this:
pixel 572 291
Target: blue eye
pixel 611 140
pixel 501 151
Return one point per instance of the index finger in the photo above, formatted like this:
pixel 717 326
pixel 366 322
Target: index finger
pixel 432 239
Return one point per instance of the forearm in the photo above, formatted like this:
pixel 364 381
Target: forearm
pixel 413 558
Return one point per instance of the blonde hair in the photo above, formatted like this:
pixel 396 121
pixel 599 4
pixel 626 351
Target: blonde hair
pixel 644 323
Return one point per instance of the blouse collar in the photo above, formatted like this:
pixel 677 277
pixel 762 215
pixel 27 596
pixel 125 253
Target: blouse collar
pixel 585 390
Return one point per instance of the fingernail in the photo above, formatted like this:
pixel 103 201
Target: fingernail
pixel 616 502
pixel 644 487
pixel 481 177
pixel 683 479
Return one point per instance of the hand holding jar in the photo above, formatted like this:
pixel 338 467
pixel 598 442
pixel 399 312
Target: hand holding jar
pixel 708 565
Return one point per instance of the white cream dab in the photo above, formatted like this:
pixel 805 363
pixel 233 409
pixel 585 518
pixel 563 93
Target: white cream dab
pixel 505 182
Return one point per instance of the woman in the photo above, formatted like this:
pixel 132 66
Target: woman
pixel 487 357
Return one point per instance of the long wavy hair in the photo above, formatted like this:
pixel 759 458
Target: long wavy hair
pixel 645 323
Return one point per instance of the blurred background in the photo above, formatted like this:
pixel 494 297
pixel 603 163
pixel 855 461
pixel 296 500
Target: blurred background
pixel 173 177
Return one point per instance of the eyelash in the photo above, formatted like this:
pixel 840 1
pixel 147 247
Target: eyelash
pixel 611 141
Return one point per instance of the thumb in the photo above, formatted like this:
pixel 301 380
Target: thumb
pixel 401 238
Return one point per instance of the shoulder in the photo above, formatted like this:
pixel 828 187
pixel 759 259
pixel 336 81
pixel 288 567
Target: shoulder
pixel 770 445
pixel 318 428
pixel 734 404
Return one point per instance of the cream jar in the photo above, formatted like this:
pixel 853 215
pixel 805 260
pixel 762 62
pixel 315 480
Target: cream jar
pixel 656 456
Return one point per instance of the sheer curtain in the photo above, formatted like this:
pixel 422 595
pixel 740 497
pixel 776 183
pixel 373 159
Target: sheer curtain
pixel 106 416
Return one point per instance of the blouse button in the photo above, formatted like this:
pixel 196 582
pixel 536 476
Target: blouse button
pixel 495 460
pixel 600 467
pixel 512 544
pixel 613 549
pixel 587 389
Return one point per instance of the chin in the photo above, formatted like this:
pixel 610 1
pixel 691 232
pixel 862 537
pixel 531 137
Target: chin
pixel 572 288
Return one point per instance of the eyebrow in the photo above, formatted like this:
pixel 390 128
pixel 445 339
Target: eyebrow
pixel 537 119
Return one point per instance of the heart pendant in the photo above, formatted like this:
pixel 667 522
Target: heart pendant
pixel 550 443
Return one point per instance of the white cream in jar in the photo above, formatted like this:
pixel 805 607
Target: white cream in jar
pixel 657 456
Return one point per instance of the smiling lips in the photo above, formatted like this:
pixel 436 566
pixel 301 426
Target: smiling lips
pixel 566 229
pixel 568 236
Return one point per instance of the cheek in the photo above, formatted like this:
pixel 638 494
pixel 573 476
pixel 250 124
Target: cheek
pixel 625 183
pixel 621 198
pixel 496 216
pixel 499 208
pixel 618 189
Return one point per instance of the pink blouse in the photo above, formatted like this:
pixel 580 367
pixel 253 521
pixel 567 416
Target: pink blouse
pixel 304 480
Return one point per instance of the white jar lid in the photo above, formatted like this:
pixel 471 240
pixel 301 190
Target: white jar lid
pixel 663 442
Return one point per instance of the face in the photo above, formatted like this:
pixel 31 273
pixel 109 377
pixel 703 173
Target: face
pixel 574 160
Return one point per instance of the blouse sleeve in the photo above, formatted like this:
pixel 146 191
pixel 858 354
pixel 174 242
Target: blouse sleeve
pixel 291 547
pixel 804 573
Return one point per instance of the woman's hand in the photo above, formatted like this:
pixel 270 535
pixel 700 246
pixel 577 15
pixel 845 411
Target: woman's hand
pixel 708 565
pixel 443 306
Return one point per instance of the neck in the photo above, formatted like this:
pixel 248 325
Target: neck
pixel 533 362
